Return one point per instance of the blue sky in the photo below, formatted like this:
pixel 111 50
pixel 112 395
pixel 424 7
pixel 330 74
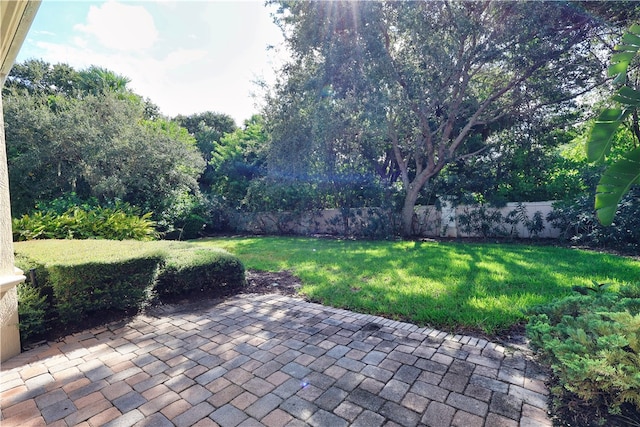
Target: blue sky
pixel 186 56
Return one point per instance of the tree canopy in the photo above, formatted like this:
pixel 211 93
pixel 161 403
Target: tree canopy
pixel 407 88
pixel 85 133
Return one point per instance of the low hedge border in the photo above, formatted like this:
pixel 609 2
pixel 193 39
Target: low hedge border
pixel 191 270
pixel 71 283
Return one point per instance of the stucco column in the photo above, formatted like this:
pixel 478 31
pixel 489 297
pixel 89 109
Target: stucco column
pixel 9 277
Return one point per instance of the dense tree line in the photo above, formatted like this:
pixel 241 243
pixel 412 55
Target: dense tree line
pixel 85 133
pixel 82 137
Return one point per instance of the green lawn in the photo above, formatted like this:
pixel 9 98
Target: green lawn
pixel 483 287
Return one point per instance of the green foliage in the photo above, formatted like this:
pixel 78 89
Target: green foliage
pixel 69 201
pixel 482 221
pixel 273 193
pixel 97 80
pixel 104 144
pixel 38 76
pixel 82 289
pixel 72 281
pixel 520 215
pixel 237 159
pixel 276 195
pixel 403 89
pixel 171 130
pixel 33 307
pixel 526 163
pixel 185 218
pixel 82 223
pixel 620 176
pixel 592 342
pixel 199 270
pixel 207 128
pixel 486 221
pixel 579 224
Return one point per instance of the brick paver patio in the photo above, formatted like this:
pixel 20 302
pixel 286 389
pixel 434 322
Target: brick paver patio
pixel 271 360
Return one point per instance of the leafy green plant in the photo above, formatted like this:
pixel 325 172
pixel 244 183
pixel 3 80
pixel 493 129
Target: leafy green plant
pixel 82 289
pixel 191 269
pixel 592 343
pixel 482 221
pixel 520 215
pixel 578 223
pixel 275 195
pixel 33 307
pixel 80 223
pixel 620 176
pixel 186 217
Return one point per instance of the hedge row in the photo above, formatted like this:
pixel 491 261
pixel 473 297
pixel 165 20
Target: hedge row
pixel 72 281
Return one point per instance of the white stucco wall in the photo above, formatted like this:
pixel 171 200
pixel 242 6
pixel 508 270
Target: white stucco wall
pixel 9 333
pixel 16 17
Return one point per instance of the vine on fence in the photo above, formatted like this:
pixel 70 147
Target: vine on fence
pixel 378 223
pixel 487 222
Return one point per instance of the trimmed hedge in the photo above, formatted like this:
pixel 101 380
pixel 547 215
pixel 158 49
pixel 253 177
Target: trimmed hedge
pixel 77 280
pixel 189 270
pixel 79 290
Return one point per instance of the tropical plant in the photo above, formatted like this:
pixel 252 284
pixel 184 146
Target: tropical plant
pixel 619 177
pixel 578 223
pixel 81 223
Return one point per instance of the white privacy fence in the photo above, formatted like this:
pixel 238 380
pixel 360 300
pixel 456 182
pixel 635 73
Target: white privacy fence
pixel 521 220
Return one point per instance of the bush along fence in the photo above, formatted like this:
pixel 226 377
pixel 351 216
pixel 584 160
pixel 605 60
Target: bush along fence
pixel 517 220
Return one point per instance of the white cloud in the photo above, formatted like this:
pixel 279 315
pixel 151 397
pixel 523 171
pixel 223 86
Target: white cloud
pixel 45 33
pixel 121 27
pixel 183 57
pixel 80 42
pixel 186 57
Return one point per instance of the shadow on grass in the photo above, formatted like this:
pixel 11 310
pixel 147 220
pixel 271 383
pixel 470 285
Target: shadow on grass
pixel 452 286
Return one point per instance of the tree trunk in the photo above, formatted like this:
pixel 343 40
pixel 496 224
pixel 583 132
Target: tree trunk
pixel 408 210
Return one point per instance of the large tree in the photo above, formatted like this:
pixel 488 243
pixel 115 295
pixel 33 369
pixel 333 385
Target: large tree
pixel 98 144
pixel 431 82
pixel 207 128
pixel 238 158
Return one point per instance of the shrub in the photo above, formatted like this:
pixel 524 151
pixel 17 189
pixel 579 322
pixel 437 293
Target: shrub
pixel 81 223
pixel 185 218
pixel 482 222
pixel 579 224
pixel 190 269
pixel 592 343
pixel 271 195
pixel 33 307
pixel 520 215
pixel 80 280
pixel 82 289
